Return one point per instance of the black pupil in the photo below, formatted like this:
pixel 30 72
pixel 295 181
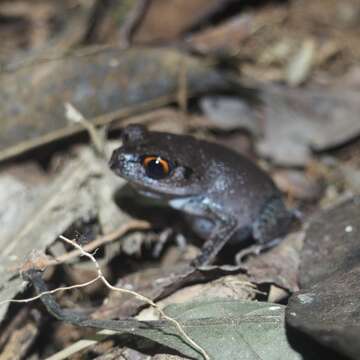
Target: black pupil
pixel 155 169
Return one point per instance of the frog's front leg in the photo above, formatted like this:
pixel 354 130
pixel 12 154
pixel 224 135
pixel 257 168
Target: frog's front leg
pixel 222 232
pixel 224 229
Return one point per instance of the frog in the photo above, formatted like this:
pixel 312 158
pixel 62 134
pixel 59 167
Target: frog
pixel 225 196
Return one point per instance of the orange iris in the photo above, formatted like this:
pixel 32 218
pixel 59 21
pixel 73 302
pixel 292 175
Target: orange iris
pixel 156 164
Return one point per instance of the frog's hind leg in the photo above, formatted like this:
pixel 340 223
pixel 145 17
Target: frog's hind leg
pixel 273 223
pixel 268 229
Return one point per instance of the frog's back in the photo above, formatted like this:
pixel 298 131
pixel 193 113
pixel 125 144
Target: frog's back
pixel 237 184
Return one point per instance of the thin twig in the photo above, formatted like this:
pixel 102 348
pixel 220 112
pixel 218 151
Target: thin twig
pixel 38 296
pixel 139 296
pixel 132 20
pixel 182 95
pixel 96 135
pixel 91 246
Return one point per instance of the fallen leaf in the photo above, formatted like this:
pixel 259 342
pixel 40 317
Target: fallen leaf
pixel 177 16
pixel 228 113
pixel 327 307
pixel 97 82
pixel 297 121
pixel 280 265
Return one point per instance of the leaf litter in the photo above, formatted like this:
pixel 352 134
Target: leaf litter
pixel 271 79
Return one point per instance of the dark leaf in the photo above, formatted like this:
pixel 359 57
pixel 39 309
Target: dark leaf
pixel 328 308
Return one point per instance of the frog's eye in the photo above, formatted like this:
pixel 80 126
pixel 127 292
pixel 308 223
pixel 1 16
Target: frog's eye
pixel 156 167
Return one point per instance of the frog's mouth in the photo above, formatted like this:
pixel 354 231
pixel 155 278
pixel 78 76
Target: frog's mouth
pixel 147 193
pixel 152 193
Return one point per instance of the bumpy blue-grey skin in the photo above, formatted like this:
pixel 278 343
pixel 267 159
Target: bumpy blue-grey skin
pixel 225 196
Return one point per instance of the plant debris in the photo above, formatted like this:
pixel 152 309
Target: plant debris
pixel 277 81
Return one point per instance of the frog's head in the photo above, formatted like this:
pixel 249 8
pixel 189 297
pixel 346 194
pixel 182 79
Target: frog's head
pixel 159 164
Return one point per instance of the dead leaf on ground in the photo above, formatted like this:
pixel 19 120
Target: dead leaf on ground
pixel 95 82
pixel 327 307
pixel 230 112
pixel 226 37
pixel 298 184
pixel 177 16
pixel 280 265
pixel 28 30
pixel 297 121
pixel 35 215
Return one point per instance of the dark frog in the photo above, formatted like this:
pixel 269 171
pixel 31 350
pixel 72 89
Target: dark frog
pixel 225 196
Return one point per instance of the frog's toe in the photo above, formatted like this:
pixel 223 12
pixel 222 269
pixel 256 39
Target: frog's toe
pixel 255 249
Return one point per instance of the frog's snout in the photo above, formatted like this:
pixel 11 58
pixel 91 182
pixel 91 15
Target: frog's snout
pixel 117 160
